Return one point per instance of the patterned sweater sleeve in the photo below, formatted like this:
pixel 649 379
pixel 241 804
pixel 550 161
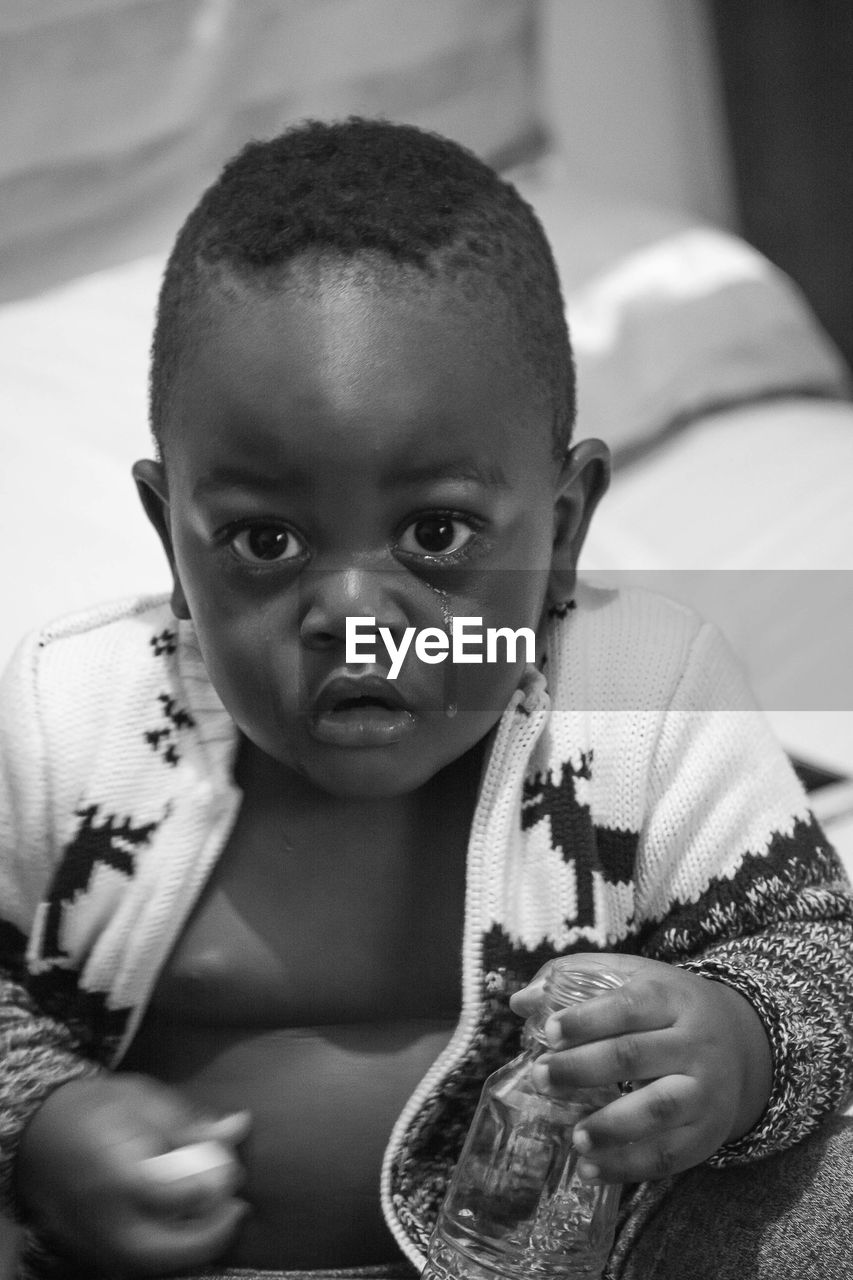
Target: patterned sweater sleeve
pixel 37 1052
pixel 737 882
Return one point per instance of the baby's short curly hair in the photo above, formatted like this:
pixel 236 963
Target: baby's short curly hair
pixel 384 192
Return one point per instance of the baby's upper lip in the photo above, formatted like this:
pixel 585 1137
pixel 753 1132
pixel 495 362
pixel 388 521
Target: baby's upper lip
pixel 339 690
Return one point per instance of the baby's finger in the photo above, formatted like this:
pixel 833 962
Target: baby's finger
pixel 647 1004
pixel 529 999
pixel 189 1180
pixel 231 1129
pixel 665 1154
pixel 670 1103
pixel 643 1056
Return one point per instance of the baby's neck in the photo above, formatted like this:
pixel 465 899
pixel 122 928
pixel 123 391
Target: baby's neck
pixel 258 775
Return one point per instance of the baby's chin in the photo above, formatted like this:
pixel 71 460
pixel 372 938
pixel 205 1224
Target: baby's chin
pixel 372 779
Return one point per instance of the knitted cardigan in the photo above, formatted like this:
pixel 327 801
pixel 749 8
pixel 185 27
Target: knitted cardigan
pixel 632 800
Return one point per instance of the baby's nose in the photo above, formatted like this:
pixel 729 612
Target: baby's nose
pixel 331 596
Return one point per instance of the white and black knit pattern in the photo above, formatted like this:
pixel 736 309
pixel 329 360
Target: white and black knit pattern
pixel 632 801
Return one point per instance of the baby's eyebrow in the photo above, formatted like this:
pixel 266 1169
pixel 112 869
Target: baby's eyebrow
pixel 234 478
pixel 467 469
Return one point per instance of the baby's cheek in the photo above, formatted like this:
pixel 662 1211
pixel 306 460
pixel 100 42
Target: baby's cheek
pixel 480 691
pixel 239 670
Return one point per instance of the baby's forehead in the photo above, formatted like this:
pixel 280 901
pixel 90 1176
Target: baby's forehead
pixel 348 342
pixel 403 387
pixel 336 298
pixel 370 275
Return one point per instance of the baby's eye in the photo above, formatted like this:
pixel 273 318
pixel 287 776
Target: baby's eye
pixel 266 544
pixel 438 535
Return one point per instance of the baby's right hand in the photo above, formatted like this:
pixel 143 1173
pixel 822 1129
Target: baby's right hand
pixel 121 1173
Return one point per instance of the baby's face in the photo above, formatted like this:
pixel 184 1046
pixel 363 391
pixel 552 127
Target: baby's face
pixel 347 452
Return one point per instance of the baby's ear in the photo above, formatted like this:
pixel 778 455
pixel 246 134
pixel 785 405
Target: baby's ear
pixel 153 489
pixel 582 483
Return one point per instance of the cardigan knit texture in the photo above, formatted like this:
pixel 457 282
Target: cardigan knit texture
pixel 633 799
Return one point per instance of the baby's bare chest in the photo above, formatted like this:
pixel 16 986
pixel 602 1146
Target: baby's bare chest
pixel 313 920
pixel 314 984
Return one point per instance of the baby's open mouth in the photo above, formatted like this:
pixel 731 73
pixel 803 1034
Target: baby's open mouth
pixel 360 711
pixel 362 700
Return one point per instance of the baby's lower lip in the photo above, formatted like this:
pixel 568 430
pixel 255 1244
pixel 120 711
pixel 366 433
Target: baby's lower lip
pixel 367 725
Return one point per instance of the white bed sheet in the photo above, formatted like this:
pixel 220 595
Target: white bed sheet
pixel 747 516
pixel 73 370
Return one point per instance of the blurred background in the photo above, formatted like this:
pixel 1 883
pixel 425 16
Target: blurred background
pixel 116 112
pixel 692 162
pixel 113 113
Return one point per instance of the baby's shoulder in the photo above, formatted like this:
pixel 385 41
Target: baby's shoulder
pixel 88 666
pixel 112 620
pixel 620 648
pixel 94 640
pixel 626 613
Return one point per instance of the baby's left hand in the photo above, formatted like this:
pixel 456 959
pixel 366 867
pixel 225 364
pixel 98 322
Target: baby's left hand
pixel 695 1050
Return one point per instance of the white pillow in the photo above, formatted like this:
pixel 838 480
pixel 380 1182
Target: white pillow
pixel 115 114
pixel 671 320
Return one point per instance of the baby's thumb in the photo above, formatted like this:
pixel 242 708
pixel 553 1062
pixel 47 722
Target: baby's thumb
pixel 230 1129
pixel 203 1166
pixel 529 999
pixel 190 1180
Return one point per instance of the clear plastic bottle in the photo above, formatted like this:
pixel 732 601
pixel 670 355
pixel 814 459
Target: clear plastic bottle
pixel 516 1208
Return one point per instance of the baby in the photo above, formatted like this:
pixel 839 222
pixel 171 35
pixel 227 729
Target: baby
pixel 264 902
